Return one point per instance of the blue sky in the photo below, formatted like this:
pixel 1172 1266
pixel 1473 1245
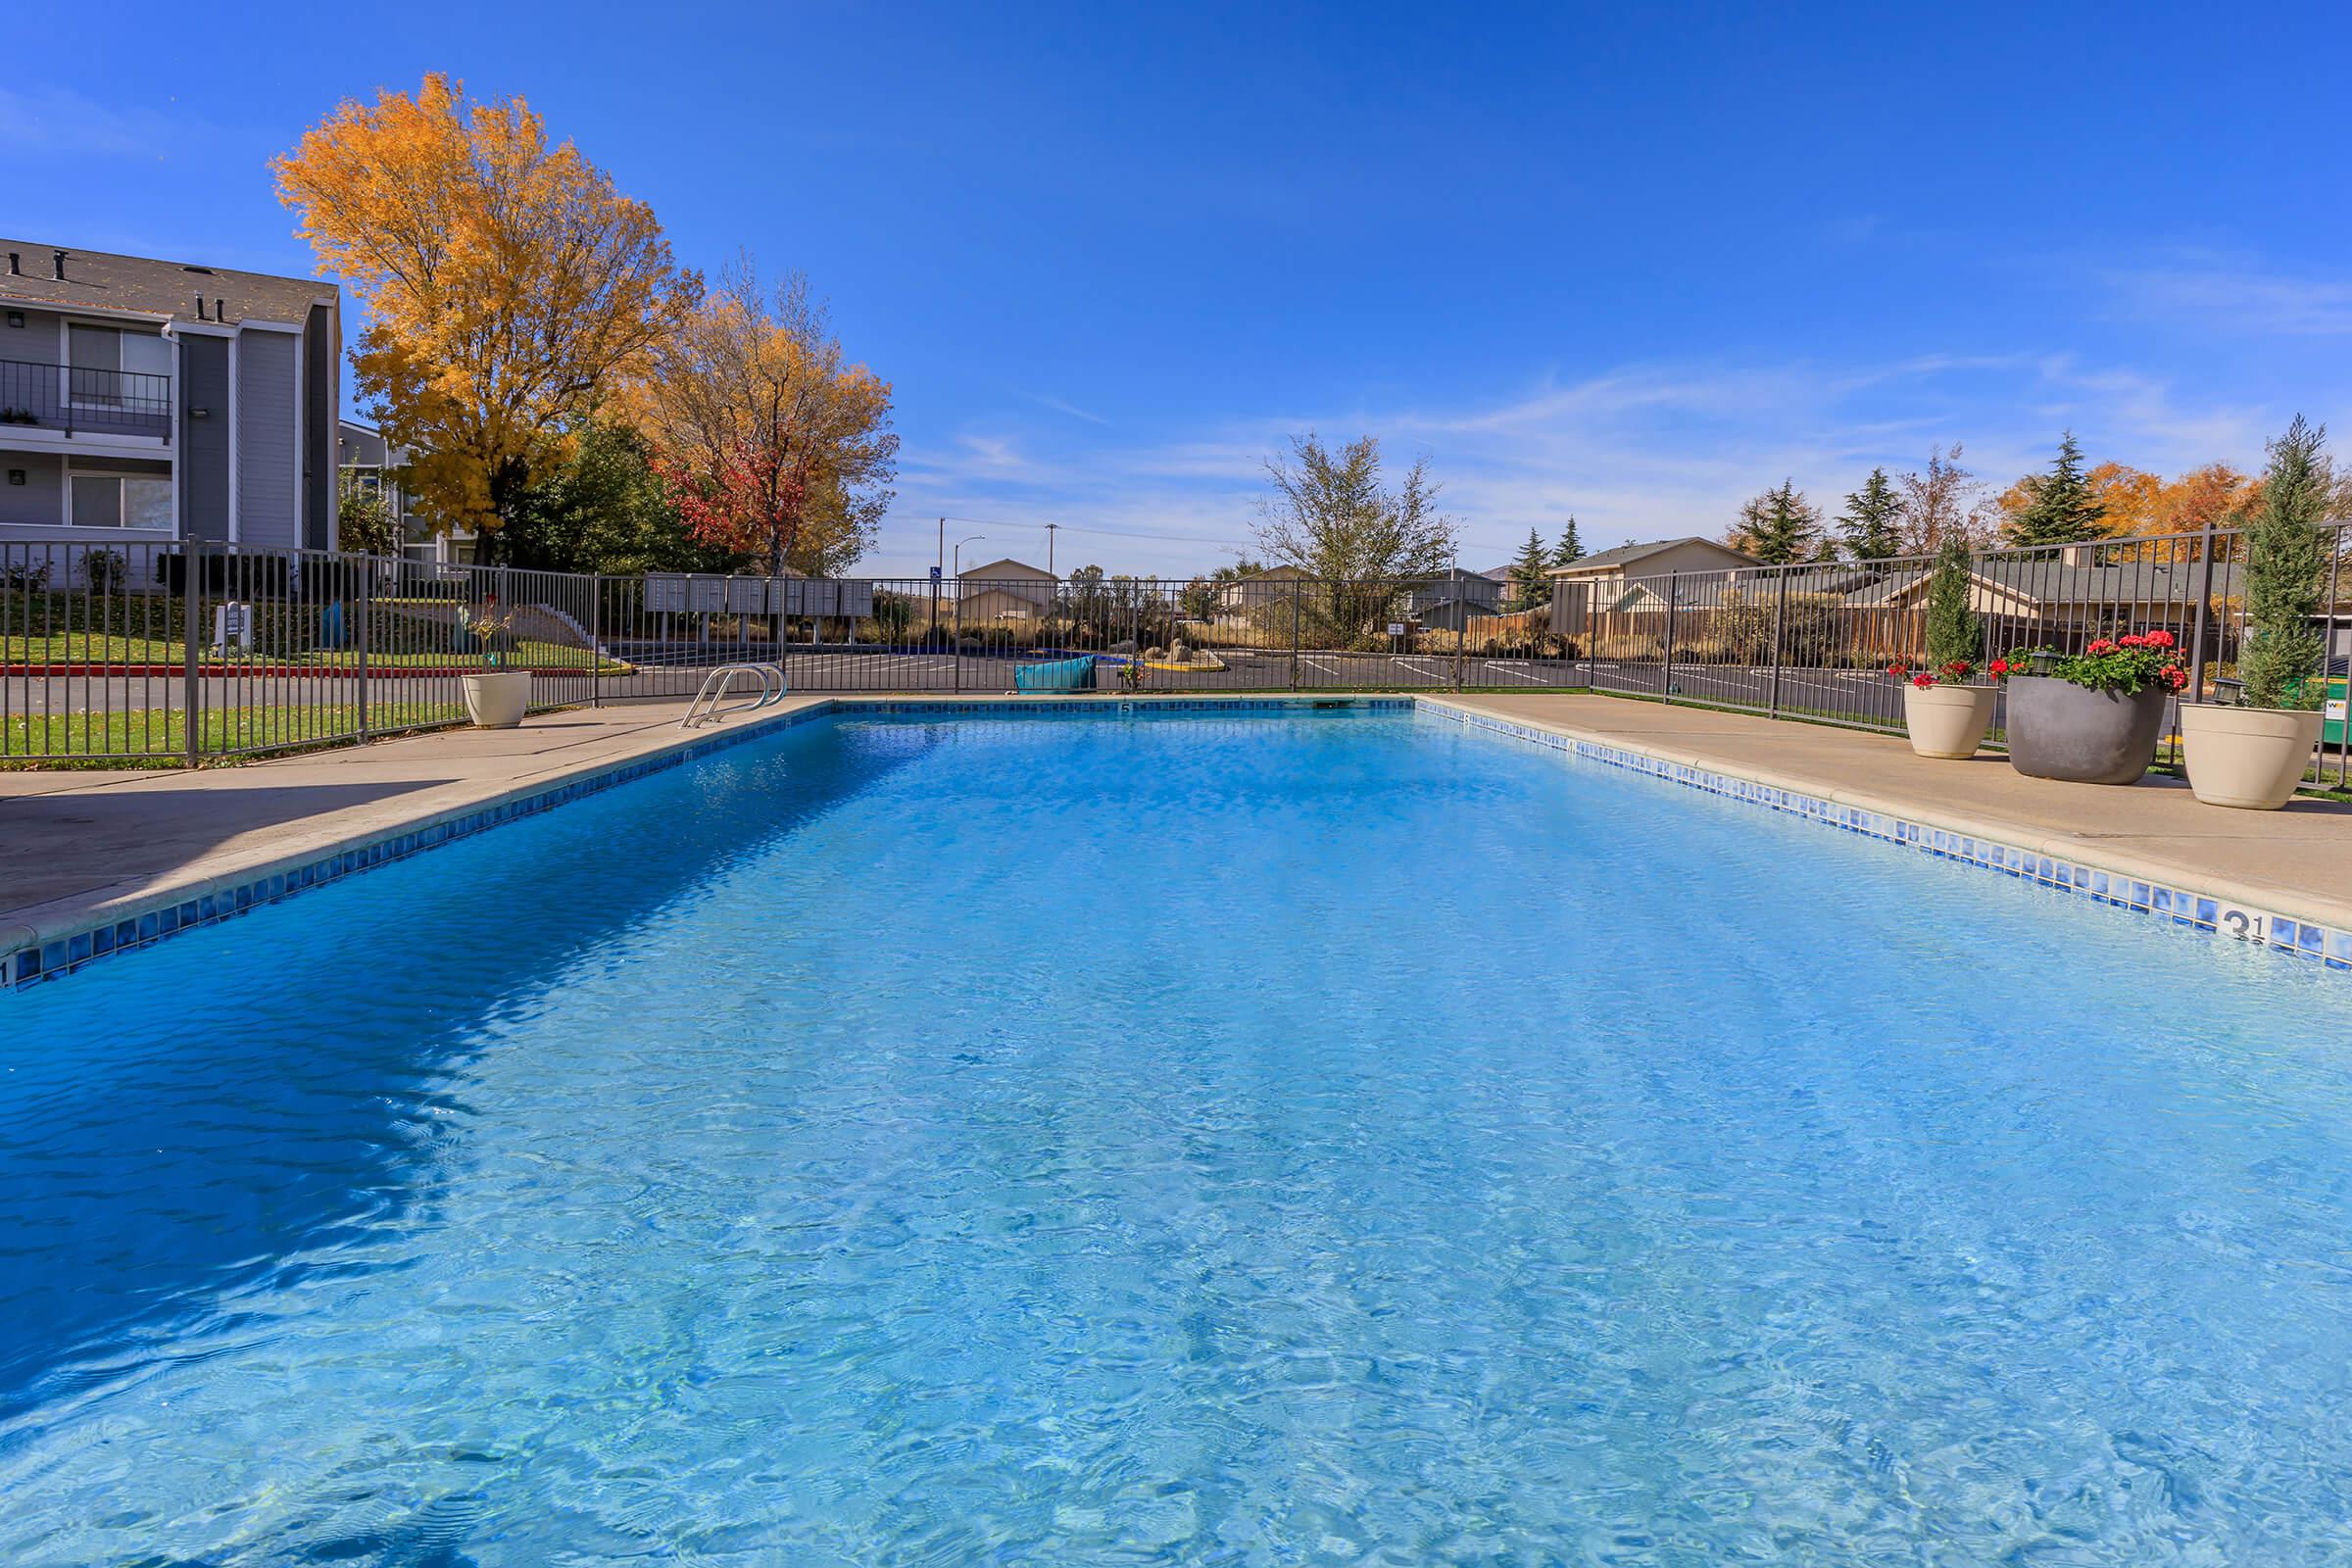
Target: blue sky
pixel 1627 262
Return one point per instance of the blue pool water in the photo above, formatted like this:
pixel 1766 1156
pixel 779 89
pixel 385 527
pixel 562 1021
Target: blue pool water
pixel 1237 1140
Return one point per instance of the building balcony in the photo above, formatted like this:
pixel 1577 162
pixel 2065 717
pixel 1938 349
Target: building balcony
pixel 72 400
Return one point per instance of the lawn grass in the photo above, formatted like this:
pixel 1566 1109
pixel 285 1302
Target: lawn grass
pixel 95 648
pixel 157 737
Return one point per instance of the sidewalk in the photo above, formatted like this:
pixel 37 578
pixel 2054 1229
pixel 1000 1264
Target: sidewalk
pixel 76 845
pixel 2296 861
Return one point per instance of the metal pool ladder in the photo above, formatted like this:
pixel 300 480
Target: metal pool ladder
pixel 710 703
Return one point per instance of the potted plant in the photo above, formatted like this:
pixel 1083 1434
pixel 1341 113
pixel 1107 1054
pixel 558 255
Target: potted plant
pixel 2092 718
pixel 1945 714
pixel 2251 755
pixel 496 697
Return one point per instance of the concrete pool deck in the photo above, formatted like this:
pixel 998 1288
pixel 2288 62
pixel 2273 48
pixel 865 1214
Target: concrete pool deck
pixel 2296 861
pixel 78 845
pixel 81 851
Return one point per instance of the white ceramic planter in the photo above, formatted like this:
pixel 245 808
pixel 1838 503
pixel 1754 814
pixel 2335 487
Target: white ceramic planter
pixel 496 699
pixel 1947 722
pixel 2248 758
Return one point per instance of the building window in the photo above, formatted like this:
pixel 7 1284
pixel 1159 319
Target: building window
pixel 120 501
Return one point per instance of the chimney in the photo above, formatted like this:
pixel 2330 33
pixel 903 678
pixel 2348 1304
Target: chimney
pixel 200 315
pixel 61 267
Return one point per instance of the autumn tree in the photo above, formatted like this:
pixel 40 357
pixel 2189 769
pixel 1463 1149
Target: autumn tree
pixel 1871 525
pixel 1570 549
pixel 1328 514
pixel 2059 508
pixel 771 440
pixel 1779 527
pixel 1940 501
pixel 506 282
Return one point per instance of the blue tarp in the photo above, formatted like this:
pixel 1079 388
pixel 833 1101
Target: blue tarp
pixel 1062 675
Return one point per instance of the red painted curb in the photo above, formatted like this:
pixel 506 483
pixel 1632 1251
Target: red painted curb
pixel 282 671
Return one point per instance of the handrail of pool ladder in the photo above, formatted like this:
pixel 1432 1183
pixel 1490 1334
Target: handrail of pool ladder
pixel 707 708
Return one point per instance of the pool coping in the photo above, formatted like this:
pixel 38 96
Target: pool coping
pixel 50 942
pixel 2306 925
pixel 47 942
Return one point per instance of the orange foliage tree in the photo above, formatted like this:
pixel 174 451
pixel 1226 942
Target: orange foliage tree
pixel 507 284
pixel 770 440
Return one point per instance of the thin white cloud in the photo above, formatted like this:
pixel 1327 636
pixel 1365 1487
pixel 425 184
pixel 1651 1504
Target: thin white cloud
pixel 2238 300
pixel 1064 405
pixel 49 122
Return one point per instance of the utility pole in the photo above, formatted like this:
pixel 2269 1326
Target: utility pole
pixel 1051 529
pixel 943 544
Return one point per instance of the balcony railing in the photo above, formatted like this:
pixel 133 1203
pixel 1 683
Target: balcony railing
pixel 83 402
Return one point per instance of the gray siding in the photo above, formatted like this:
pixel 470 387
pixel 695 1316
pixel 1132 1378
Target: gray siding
pixel 36 342
pixel 319 344
pixel 268 503
pixel 204 443
pixel 41 499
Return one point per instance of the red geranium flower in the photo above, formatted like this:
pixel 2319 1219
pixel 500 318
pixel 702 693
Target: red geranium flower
pixel 2159 639
pixel 2102 645
pixel 1923 680
pixel 2134 640
pixel 2000 667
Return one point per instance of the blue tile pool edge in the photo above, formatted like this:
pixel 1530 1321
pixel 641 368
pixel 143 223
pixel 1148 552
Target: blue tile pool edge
pixel 2179 905
pixel 168 912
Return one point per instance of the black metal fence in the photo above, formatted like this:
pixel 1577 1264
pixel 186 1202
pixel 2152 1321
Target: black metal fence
pixel 1814 642
pixel 180 653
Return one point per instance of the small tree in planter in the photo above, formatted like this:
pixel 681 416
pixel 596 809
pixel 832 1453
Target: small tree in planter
pixel 1945 713
pixel 2252 755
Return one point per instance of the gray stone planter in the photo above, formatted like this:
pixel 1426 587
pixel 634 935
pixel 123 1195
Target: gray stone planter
pixel 2060 730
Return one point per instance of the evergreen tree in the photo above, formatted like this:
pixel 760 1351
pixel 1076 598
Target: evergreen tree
pixel 1952 630
pixel 2061 507
pixel 1778 526
pixel 1528 584
pixel 2284 557
pixel 1570 550
pixel 1871 525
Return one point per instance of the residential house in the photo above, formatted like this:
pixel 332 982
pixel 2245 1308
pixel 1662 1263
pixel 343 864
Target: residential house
pixel 1001 591
pixel 1259 589
pixel 144 401
pixel 1449 602
pixel 1632 579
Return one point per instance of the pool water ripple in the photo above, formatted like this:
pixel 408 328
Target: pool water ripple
pixel 1248 1139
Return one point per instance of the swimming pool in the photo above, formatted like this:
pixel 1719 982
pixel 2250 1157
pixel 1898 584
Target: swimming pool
pixel 1239 1139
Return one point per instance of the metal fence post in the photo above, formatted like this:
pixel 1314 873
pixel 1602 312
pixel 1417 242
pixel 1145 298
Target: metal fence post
pixel 360 632
pixel 191 614
pixel 2196 657
pixel 1780 619
pixel 595 639
pixel 1674 592
pixel 1298 607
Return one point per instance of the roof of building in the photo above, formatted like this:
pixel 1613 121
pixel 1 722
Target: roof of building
pixel 100 280
pixel 2049 583
pixel 1626 555
pixel 997 569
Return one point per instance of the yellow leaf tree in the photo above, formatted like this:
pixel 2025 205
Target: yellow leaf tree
pixel 770 440
pixel 506 282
